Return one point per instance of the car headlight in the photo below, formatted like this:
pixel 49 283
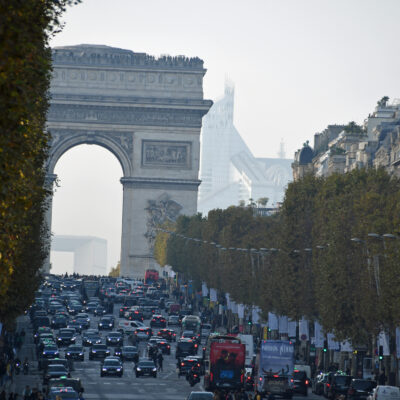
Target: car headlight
pixel 68 354
pixel 100 324
pixel 118 369
pixel 81 354
pixel 104 369
pixel 44 353
pixel 93 351
pixel 138 369
pixel 109 324
pixel 154 369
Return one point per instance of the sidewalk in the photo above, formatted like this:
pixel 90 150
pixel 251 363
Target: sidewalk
pixel 28 349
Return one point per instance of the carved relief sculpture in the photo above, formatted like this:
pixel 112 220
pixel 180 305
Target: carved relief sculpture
pixel 168 153
pixel 158 211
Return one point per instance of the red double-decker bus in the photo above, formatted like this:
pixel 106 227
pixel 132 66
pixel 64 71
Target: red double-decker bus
pixel 150 276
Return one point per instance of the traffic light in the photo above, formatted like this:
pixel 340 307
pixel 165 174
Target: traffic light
pixel 325 346
pixel 381 352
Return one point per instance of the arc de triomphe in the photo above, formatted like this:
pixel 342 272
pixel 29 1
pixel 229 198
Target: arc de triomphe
pixel 148 112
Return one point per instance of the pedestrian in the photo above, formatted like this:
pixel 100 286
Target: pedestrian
pixel 160 359
pixel 382 378
pixel 9 373
pixel 11 396
pixel 258 396
pixel 26 393
pixel 3 395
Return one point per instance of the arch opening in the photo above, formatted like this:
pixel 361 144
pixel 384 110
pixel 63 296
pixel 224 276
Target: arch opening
pixel 86 210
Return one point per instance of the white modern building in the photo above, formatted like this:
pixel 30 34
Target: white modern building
pixel 228 170
pixel 89 253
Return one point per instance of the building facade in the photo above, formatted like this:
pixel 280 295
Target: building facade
pixel 343 148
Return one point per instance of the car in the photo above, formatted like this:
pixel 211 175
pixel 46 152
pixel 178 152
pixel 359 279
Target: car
pixel 130 353
pixel 167 334
pixel 339 385
pixel 42 330
pixel 118 352
pixel 135 315
pixel 98 351
pixel 158 321
pixel 75 325
pixel 186 365
pixel 111 366
pixel 105 323
pixel 319 383
pixel 83 319
pixel 188 335
pixel 62 393
pixel 91 306
pixel 360 389
pixel 200 396
pixel 90 339
pixel 55 371
pixel 300 382
pixel 55 361
pixel 59 321
pixel 122 310
pixel 173 320
pixel 143 333
pixel 205 330
pixel 146 367
pixel 99 310
pixel 164 346
pixel 50 351
pixel 75 352
pixel 114 339
pixel 74 383
pixel 185 347
pixel 384 392
pixel 66 336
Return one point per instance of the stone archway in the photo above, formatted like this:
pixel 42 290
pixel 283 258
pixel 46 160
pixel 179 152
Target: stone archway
pixel 148 113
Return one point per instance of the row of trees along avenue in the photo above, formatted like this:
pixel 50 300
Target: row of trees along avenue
pixel 25 67
pixel 315 258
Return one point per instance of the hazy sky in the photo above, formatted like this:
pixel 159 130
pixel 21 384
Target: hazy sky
pixel 298 65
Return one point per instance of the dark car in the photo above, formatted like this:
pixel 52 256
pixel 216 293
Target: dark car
pixel 114 339
pixel 75 352
pixel 145 368
pixel 64 382
pixel 59 321
pixel 98 351
pixel 122 310
pixel 63 393
pixel 55 371
pixel 91 307
pixel 50 351
pixel 111 366
pixel 186 347
pixel 91 339
pixel 300 382
pixel 339 385
pixel 105 323
pixel 42 329
pixel 130 353
pixel 164 346
pixel 136 315
pixel 186 365
pixel 83 319
pixel 99 310
pixel 158 321
pixel 167 334
pixel 66 337
pixel 75 325
pixel 360 389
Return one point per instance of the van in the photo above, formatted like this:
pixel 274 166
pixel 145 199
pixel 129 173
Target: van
pixel 129 326
pixel 383 392
pixel 174 309
pixel 305 368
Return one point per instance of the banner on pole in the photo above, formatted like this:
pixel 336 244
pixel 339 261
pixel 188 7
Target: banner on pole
pixel 272 321
pixel 319 336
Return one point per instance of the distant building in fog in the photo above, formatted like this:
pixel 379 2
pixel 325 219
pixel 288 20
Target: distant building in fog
pixel 90 253
pixel 228 170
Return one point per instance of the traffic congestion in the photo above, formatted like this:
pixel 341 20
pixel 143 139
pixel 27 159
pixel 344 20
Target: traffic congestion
pixel 113 338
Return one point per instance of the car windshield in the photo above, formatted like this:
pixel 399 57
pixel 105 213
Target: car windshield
pixel 129 348
pixel 362 385
pixel 299 375
pixel 51 348
pixel 100 347
pixel 185 345
pixel 114 335
pixel 342 380
pixel 146 364
pixel 57 368
pixel 111 363
pixel 74 348
pixel 207 326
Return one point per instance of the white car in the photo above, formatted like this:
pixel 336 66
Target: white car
pixel 382 392
pixel 129 326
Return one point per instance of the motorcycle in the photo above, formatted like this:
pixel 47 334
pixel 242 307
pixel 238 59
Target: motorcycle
pixel 193 377
pixel 26 368
pixel 17 367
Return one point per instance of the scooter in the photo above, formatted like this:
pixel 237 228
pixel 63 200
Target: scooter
pixel 193 378
pixel 26 368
